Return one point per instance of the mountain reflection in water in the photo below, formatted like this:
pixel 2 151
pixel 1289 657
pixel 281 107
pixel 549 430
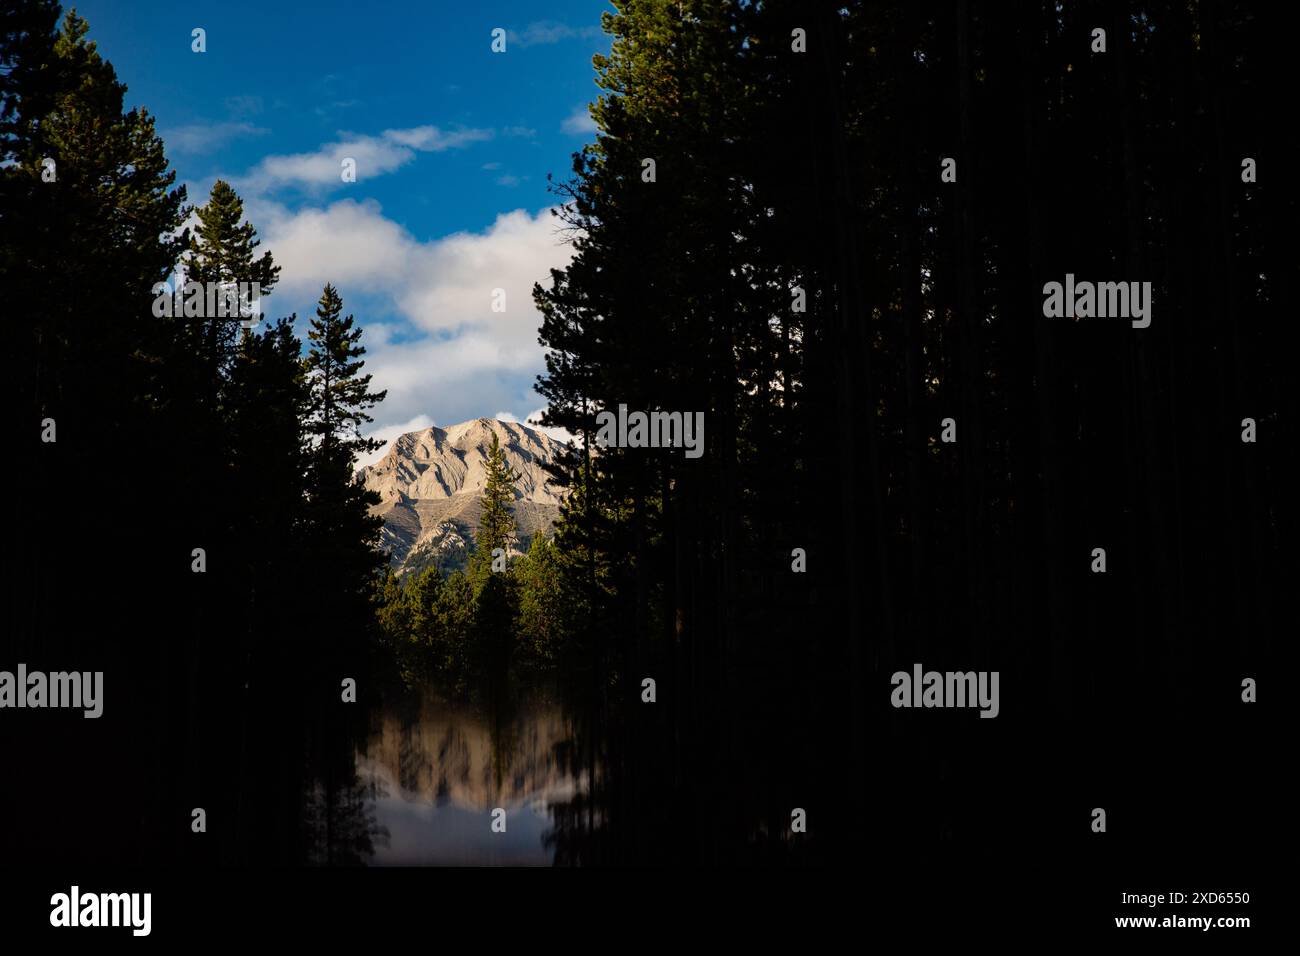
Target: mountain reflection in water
pixel 434 770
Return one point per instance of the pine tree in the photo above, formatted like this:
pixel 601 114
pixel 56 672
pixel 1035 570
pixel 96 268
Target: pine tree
pixel 342 533
pixel 545 603
pixel 339 396
pixel 222 249
pixel 82 241
pixel 497 522
pixel 80 252
pixel 265 402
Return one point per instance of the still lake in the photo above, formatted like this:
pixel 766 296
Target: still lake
pixel 433 770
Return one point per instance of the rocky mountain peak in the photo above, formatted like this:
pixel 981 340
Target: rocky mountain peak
pixel 436 476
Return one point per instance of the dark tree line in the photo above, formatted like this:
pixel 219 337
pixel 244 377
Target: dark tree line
pixel 195 529
pixel 781 174
pixel 795 268
pixel 489 628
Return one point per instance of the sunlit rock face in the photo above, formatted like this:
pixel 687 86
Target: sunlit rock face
pixel 430 482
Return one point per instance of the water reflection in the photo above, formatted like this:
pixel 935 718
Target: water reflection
pixel 433 770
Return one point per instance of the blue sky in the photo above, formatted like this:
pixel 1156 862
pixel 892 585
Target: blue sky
pixel 452 144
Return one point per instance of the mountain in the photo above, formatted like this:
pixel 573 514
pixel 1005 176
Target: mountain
pixel 430 483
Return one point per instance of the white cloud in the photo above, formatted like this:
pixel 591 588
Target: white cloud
pixel 374 156
pixel 542 32
pixel 202 137
pixel 579 122
pixel 328 108
pixel 349 243
pixel 243 105
pixel 533 421
pixel 451 355
pixel 432 340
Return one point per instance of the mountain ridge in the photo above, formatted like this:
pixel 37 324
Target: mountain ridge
pixel 430 483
